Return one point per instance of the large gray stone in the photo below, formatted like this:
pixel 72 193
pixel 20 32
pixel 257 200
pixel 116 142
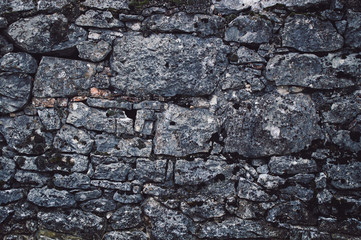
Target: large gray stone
pixel 114 171
pixel 269 181
pixel 94 51
pixel 242 77
pixel 307 70
pixel 11 6
pixel 111 145
pixel 50 197
pixel 31 178
pixel 168 65
pixel 197 171
pixel 249 30
pixel 127 235
pixel 14 91
pixel 45 33
pixel 251 191
pixel 52 5
pixel 125 198
pixel 58 77
pixel 181 131
pixel 297 192
pixel 12 195
pixel 74 180
pixel 73 140
pixel 74 222
pixel 7 169
pixel 353 30
pixel 87 195
pixel 167 223
pixel 272 124
pixel 18 62
pixel 98 19
pixel 107 4
pixel 111 121
pixel 126 217
pixel 346 176
pixel 310 34
pixel 100 205
pixel 343 110
pixel 236 228
pixel 25 135
pixel 153 171
pixel 291 165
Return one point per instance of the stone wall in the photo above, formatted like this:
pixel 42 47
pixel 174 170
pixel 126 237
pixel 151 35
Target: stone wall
pixel 180 119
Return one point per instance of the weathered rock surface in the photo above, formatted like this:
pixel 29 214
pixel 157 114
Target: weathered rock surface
pixel 113 171
pixel 167 223
pixel 346 176
pixel 18 62
pixel 131 235
pixel 134 147
pixel 73 140
pixel 100 205
pixel 127 199
pixel 107 4
pixel 49 118
pixel 251 191
pixel 31 178
pixel 72 181
pixel 94 51
pixel 12 195
pixel 126 217
pixel 269 181
pixel 353 30
pixel 58 77
pixel 175 131
pixel 8 6
pixel 45 33
pixel 50 197
pixel 111 121
pixel 98 19
pixel 7 169
pixel 153 171
pixel 52 5
pixel 87 195
pixel 249 30
pixel 73 222
pixel 349 226
pixel 14 91
pixel 241 77
pixel 309 34
pixel 272 125
pixel 291 165
pixel 5 46
pixel 175 67
pixel 238 229
pixel 201 208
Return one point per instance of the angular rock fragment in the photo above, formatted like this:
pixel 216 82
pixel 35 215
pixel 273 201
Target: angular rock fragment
pixel 45 33
pixel 127 235
pixel 309 34
pixel 198 171
pixel 241 77
pixel 167 223
pixel 72 222
pixel 4 213
pixel 87 195
pixel 237 228
pixel 180 131
pixel 269 181
pixel 18 62
pixel 98 19
pixel 94 51
pixel 153 171
pixel 70 139
pixel 52 5
pixel 249 30
pixel 11 6
pixel 12 195
pixel 31 178
pixel 353 30
pixel 118 147
pixel 107 4
pixel 50 197
pixel 291 165
pixel 298 192
pixel 24 134
pixel 111 121
pixel 201 208
pixel 127 199
pixel 342 111
pixel 126 217
pixel 100 205
pixel 49 118
pixel 114 171
pixel 251 191
pixel 167 65
pixel 272 124
pixel 7 169
pixel 121 186
pixel 58 77
pixel 105 103
pixel 72 181
pixel 144 122
pixel 14 91
pixel 346 176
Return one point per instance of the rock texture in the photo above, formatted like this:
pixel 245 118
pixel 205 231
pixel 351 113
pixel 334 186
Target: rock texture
pixel 180 119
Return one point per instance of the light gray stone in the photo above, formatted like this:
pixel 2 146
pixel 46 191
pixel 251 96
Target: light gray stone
pixel 176 128
pixel 126 217
pixel 45 33
pixel 153 171
pixel 105 103
pixel 58 77
pixel 167 65
pixel 94 51
pixel 11 6
pixel 98 19
pixel 70 139
pixel 309 34
pixel 122 186
pixel 18 62
pixel 249 30
pixel 260 128
pixel 49 118
pixel 107 4
pixel 50 197
pixel 126 235
pixel 291 165
pixel 144 122
pixel 52 5
pixel 269 181
pixel 14 91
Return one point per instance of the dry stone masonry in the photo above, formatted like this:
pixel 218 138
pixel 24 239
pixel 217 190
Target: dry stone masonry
pixel 180 119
